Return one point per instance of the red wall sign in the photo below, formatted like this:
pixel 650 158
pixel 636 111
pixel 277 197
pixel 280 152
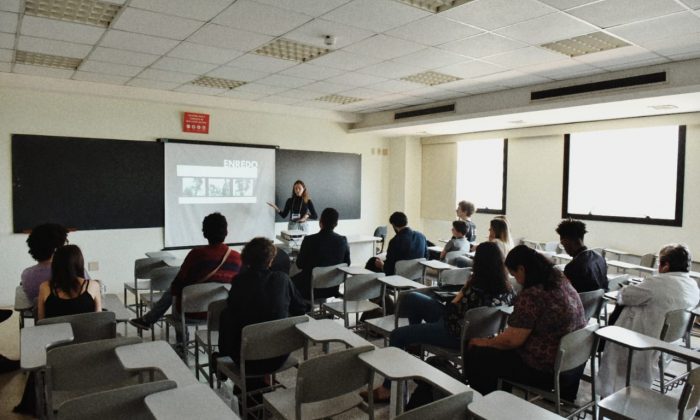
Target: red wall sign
pixel 193 122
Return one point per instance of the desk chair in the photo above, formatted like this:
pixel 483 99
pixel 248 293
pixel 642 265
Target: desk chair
pixel 359 289
pixel 592 303
pixel 388 323
pixel 647 260
pixel 380 232
pixel 410 269
pixel 23 305
pixel 160 280
pixel 455 277
pixel 89 326
pixel 209 340
pixel 262 341
pixel 677 326
pixel 453 407
pixel 319 393
pixel 142 270
pixel 323 277
pixel 575 349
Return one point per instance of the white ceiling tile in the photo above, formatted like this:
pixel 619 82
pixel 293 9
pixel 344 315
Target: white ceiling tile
pixel 673 46
pixel 608 13
pixel 344 60
pixel 301 94
pixel 430 58
pixel 282 100
pixel 391 69
pixel 6 55
pixel 261 89
pixel 547 28
pixel 112 55
pixel 322 105
pixel 7 40
pixel 255 17
pixel 562 69
pixel 137 42
pixel 395 86
pixel 523 57
pixel 314 33
pixel 691 55
pixel 356 79
pixel 375 15
pixel 225 37
pixel 308 7
pixel 203 10
pixel 60 30
pixel 153 84
pixel 204 53
pixel 248 96
pixel 566 4
pixel 288 82
pixel 494 14
pixel 482 45
pixel 262 63
pixel 616 56
pixel 385 47
pixel 233 73
pixel 512 78
pixel 167 76
pixel 635 64
pixel 100 78
pixel 470 69
pixel 184 66
pixel 693 4
pixel 43 71
pixel 364 93
pixel 311 71
pixel 327 87
pixel 50 46
pixel 200 90
pixel 5 67
pixel 8 22
pixel 10 5
pixel 110 68
pixel 156 24
pixel 676 26
pixel 434 30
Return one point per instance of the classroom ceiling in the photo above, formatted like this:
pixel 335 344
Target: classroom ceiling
pixel 378 59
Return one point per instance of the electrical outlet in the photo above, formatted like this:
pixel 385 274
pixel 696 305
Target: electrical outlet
pixel 93 266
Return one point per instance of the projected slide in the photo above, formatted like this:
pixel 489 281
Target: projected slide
pixel 233 180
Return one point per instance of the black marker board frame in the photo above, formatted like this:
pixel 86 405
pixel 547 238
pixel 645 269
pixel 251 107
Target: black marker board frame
pixel 86 183
pixel 333 180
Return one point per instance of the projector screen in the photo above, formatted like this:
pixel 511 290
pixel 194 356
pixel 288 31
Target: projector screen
pixel 234 180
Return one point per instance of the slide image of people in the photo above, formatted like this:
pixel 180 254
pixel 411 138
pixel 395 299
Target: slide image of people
pixel 216 187
pixel 243 187
pixel 193 187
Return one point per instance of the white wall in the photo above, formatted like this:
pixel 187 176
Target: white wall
pixel 36 111
pixel 534 190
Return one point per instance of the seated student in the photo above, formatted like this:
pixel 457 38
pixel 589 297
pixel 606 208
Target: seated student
pixel 42 241
pixel 587 271
pixel 257 295
pixel 214 263
pixel 644 307
pixel 545 310
pixel 487 286
pixel 323 249
pixel 407 244
pixel 458 241
pixel 499 233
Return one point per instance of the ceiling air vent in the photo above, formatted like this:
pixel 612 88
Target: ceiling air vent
pixel 624 82
pixel 425 111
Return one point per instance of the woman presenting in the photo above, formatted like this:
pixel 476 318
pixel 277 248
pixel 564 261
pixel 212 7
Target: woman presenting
pixel 299 207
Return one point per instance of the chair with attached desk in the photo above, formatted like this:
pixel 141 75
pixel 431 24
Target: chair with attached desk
pixel 262 341
pixel 160 280
pixel 359 289
pixel 575 349
pixel 23 305
pixel 388 323
pixel 79 369
pixel 592 303
pixel 411 269
pixel 142 270
pixel 116 404
pixel 321 278
pixel 453 407
pixel 89 326
pixel 319 393
pixel 455 277
pixel 380 232
pixel 194 299
pixel 208 340
pixel 677 326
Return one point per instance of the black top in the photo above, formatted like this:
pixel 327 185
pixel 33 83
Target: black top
pixel 588 271
pixel 257 295
pixel 406 245
pixel 296 205
pixel 322 249
pixel 57 306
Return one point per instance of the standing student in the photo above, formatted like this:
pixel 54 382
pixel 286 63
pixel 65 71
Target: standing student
pixel 299 207
pixel 465 210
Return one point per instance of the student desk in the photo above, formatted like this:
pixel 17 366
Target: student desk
pixel 501 405
pixel 34 341
pixel 164 255
pixel 156 355
pixel 397 283
pixel 617 252
pixel 398 366
pixel 327 330
pixel 189 402
pixel 436 265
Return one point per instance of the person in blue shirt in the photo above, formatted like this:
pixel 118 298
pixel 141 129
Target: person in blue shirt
pixel 408 244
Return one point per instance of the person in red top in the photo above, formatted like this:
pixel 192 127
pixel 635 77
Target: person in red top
pixel 215 262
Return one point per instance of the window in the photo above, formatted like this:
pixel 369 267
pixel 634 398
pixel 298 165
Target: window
pixel 629 175
pixel 481 174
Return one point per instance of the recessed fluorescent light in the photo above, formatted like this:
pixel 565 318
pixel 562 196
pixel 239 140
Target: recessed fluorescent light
pixel 217 83
pixel 47 60
pixel 663 107
pixel 290 50
pixel 434 6
pixel 338 99
pixel 90 12
pixel 585 44
pixel 431 78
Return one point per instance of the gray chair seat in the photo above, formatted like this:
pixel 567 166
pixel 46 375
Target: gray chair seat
pixel 352 306
pixel 283 403
pixel 639 403
pixel 385 325
pixel 229 368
